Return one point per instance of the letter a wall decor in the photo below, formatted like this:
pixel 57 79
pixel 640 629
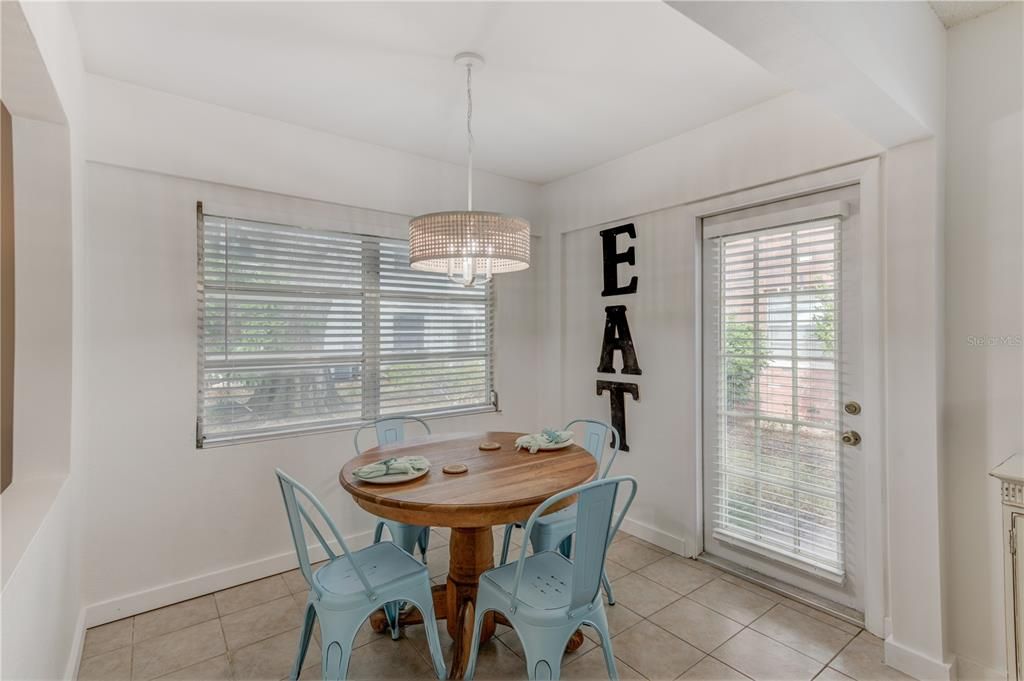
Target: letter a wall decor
pixel 617 338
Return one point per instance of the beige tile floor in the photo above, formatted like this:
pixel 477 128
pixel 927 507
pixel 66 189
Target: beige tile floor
pixel 674 619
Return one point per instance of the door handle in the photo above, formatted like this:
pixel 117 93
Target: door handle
pixel 851 438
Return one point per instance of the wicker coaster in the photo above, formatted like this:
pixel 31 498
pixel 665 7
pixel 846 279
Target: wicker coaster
pixel 455 468
pixel 489 446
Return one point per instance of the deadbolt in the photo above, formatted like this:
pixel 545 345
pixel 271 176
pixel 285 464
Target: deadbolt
pixel 851 438
pixel 852 408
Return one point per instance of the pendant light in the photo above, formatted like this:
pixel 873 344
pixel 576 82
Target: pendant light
pixel 470 246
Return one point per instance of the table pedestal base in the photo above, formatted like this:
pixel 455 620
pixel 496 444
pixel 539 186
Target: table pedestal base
pixel 471 554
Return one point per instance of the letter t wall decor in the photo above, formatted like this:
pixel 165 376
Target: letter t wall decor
pixel 617 336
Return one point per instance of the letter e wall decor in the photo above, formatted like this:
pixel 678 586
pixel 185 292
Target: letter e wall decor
pixel 612 258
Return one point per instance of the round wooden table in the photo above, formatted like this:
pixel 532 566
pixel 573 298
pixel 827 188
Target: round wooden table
pixel 500 487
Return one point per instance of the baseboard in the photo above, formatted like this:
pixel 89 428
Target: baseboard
pixel 969 670
pixel 657 537
pixel 175 592
pixel 75 655
pixel 193 587
pixel 918 665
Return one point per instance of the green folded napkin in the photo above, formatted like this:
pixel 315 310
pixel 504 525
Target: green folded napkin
pixel 393 466
pixel 546 438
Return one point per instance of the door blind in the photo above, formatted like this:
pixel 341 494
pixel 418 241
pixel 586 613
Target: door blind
pixel 306 329
pixel 777 486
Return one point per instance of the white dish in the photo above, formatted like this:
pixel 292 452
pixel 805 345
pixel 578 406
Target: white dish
pixel 395 478
pixel 560 445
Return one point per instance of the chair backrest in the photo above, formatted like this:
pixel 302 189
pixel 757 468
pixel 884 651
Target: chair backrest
pixel 389 429
pixel 595 435
pixel 298 518
pixel 595 506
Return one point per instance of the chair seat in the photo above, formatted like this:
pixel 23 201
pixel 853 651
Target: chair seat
pixel 566 515
pixel 566 518
pixel 383 564
pixel 545 583
pixel 549 530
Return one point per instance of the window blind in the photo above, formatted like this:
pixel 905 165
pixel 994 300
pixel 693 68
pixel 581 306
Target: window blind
pixel 303 330
pixel 777 485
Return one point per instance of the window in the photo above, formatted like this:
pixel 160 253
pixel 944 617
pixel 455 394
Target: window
pixel 777 483
pixel 303 330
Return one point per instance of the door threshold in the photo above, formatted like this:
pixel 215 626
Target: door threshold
pixel 848 615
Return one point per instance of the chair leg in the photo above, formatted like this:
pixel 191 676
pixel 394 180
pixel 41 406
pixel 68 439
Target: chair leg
pixel 406 537
pixel 307 633
pixel 391 612
pixel 474 650
pixel 339 635
pixel 544 654
pixel 600 622
pixel 565 547
pixel 424 543
pixel 336 659
pixel 425 604
pixel 378 532
pixel 607 588
pixel 505 543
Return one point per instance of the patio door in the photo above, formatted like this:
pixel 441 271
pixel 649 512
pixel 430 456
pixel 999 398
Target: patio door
pixel 782 373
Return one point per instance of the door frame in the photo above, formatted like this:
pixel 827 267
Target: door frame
pixel 866 176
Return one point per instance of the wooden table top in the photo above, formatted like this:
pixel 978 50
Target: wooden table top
pixel 500 486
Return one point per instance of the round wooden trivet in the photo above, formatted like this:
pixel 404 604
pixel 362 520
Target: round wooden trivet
pixel 490 446
pixel 455 468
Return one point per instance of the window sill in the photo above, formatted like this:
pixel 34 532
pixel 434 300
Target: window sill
pixel 26 505
pixel 227 442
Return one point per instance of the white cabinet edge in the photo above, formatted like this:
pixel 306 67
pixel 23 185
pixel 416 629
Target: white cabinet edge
pixel 1011 474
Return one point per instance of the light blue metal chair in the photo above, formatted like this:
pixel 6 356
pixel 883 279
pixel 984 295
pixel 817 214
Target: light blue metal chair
pixel 391 429
pixel 345 591
pixel 556 529
pixel 546 597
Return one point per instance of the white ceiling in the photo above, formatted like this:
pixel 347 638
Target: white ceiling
pixel 566 87
pixel 955 12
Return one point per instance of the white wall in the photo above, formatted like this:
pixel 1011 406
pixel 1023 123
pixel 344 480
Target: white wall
pixel 212 518
pixel 41 627
pixel 42 213
pixel 41 602
pixel 204 517
pixel 984 261
pixel 141 128
pixel 781 138
pixel 916 642
pixel 661 426
pixel 42 366
pixel 36 508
